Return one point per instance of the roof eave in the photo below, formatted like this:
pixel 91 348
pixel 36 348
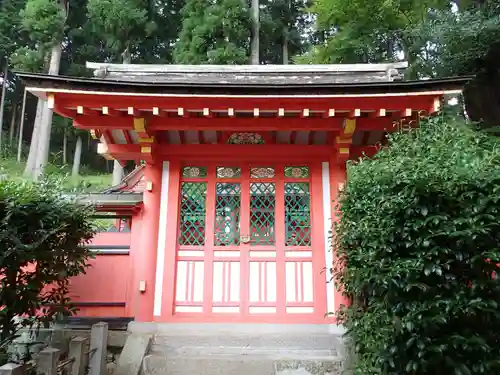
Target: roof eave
pixel 33 80
pixel 116 200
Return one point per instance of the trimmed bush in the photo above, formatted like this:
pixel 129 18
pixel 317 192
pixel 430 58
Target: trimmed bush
pixel 43 238
pixel 418 248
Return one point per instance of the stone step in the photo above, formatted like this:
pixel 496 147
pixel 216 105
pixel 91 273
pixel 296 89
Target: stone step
pixel 240 365
pixel 308 341
pixel 242 349
pixel 263 352
pixel 210 329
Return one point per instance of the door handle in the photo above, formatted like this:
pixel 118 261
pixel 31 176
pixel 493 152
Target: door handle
pixel 244 238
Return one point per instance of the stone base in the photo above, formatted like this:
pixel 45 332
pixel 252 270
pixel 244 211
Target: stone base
pixel 243 349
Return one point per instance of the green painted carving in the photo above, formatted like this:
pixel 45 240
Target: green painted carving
pixel 194 172
pixel 297 172
pixel 245 139
pixel 228 172
pixel 262 172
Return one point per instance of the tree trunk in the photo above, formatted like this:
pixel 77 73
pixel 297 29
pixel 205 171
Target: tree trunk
pixel 42 156
pixel 77 158
pixel 117 167
pixel 254 48
pixel 43 145
pixel 285 46
pixel 21 128
pixel 30 164
pixel 12 128
pixel 65 147
pixel 117 173
pixel 2 104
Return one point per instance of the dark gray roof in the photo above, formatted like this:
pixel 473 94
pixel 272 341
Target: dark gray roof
pixel 119 188
pixel 250 74
pixel 116 199
pixel 39 82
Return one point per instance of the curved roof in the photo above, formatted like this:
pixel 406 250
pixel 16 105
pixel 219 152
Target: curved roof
pixel 250 74
pixel 37 83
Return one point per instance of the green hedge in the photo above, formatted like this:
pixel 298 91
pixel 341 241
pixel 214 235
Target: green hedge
pixel 43 238
pixel 419 242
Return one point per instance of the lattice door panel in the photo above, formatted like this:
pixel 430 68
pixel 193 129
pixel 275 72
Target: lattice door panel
pixel 245 243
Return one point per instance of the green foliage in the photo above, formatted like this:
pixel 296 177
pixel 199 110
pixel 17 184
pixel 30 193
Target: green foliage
pixel 44 20
pixel 461 42
pixel 282 20
pixel 369 31
pixel 214 33
pixel 120 23
pixel 27 60
pixel 11 35
pixel 43 239
pixel 418 244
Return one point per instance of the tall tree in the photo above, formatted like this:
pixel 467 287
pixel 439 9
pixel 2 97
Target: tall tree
pixel 12 35
pixel 75 171
pixel 255 41
pixel 467 42
pixel 359 31
pixel 121 23
pixel 214 33
pixel 44 21
pixel 284 25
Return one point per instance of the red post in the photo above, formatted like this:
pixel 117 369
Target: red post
pixel 146 250
pixel 338 178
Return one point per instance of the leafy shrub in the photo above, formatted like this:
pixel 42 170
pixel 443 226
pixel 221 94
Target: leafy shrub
pixel 43 239
pixel 418 248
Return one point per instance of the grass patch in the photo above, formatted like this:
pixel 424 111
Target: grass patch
pixel 12 170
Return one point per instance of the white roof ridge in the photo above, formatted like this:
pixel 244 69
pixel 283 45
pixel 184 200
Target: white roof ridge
pixel 246 69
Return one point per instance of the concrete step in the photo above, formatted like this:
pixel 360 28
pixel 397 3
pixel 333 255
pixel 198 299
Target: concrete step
pixel 287 341
pixel 227 351
pixel 240 365
pixel 243 349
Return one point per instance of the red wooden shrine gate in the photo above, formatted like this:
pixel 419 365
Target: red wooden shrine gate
pixel 249 247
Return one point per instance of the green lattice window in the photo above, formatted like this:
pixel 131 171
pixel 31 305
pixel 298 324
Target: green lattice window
pixel 297 172
pixel 297 214
pixel 192 213
pixel 227 214
pixel 262 213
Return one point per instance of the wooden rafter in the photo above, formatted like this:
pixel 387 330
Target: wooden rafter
pixel 287 151
pixel 330 107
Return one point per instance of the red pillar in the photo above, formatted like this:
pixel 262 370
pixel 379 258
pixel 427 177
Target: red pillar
pixel 145 259
pixel 132 305
pixel 338 178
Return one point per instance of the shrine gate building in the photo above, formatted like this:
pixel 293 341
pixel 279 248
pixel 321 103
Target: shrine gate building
pixel 228 219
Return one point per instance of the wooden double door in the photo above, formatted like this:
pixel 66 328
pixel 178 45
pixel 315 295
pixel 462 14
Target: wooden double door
pixel 249 247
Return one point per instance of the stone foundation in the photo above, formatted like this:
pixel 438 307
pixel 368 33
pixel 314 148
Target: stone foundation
pixel 242 349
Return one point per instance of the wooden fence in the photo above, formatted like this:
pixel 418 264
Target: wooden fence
pixel 48 361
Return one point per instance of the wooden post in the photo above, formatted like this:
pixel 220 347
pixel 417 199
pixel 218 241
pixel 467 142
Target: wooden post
pixel 47 361
pixel 99 346
pixel 77 352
